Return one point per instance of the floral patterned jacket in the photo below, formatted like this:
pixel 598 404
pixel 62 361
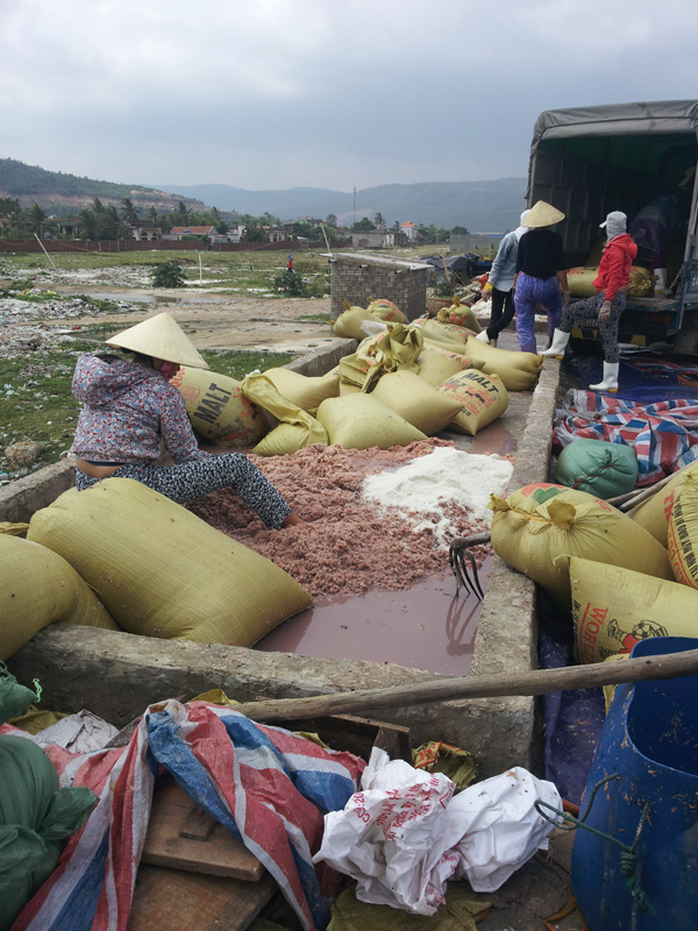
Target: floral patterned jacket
pixel 128 409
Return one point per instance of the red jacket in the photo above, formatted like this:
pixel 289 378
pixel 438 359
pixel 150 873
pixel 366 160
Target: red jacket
pixel 615 265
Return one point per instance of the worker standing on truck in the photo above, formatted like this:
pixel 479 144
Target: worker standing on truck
pixel 541 276
pixel 129 408
pixel 603 310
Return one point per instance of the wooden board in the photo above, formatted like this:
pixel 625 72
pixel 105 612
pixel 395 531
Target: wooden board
pixel 206 847
pixel 355 734
pixel 173 900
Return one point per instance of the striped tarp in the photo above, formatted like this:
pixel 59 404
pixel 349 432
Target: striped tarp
pixel 664 435
pixel 269 787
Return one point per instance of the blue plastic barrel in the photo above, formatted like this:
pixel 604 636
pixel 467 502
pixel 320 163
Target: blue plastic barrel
pixel 649 740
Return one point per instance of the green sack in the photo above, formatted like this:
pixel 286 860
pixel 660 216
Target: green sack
pixel 15 698
pixel 597 467
pixel 35 817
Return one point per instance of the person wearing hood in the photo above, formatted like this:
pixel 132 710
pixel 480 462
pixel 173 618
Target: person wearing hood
pixel 541 276
pixel 130 408
pixel 501 281
pixel 603 310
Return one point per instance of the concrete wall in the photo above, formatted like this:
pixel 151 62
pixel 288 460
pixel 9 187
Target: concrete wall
pixel 118 674
pixel 359 279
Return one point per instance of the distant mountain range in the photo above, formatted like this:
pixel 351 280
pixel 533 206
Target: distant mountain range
pixel 481 206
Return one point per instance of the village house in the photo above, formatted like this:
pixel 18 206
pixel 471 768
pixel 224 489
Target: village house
pixel 146 232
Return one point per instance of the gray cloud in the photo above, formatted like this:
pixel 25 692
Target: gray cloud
pixel 265 94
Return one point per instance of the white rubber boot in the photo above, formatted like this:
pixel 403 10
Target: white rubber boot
pixel 558 345
pixel 610 378
pixel 483 337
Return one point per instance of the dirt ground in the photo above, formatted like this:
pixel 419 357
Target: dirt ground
pixel 215 322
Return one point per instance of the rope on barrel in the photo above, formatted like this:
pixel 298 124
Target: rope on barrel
pixel 628 854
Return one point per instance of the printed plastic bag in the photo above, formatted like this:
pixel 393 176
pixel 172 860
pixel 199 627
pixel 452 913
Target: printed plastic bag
pixel 404 834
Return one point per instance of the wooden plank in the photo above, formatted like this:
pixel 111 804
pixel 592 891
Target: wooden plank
pixel 355 734
pixel 173 900
pixel 220 854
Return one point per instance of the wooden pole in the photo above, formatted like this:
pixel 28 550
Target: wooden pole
pixel 536 682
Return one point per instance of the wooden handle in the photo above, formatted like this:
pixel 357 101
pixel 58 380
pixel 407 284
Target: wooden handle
pixel 536 682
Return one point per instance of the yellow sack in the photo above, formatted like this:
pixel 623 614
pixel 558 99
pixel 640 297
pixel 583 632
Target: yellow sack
pixel 460 314
pixel 683 533
pixel 38 588
pixel 296 429
pixel 385 310
pixel 218 409
pixel 304 391
pixel 446 332
pixel 412 398
pixel 163 572
pixel 641 282
pixel 436 365
pixel 361 421
pixel 398 347
pixel 654 513
pixel 540 523
pixel 580 281
pixel 482 398
pixel 348 324
pixel 614 607
pixel 446 345
pixel 518 370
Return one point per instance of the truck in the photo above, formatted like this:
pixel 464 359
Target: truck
pixel 588 161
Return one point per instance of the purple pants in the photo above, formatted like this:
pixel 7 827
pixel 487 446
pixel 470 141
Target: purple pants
pixel 529 292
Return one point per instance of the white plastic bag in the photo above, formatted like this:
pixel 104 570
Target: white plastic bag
pixel 404 835
pixel 80 733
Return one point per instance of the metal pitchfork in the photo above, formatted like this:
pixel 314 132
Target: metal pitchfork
pixel 458 552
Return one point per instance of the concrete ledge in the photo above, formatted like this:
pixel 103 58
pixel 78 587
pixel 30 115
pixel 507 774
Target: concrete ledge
pixel 21 498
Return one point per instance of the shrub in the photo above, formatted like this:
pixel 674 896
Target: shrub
pixel 168 275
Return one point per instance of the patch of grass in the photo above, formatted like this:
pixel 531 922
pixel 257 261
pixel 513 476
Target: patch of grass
pixel 36 402
pixel 237 364
pixel 314 318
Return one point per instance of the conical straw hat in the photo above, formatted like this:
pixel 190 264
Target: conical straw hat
pixel 161 338
pixel 542 214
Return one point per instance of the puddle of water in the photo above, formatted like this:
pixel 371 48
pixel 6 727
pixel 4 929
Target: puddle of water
pixel 423 627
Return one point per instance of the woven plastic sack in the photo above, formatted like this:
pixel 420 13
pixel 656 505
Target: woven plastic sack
pixel 683 534
pixel 304 391
pixel 540 523
pixel 15 699
pixel 614 607
pixel 412 398
pixel 38 588
pixel 348 324
pixel 654 513
pixel 385 310
pixel 482 398
pixel 640 283
pixel 518 370
pixel 459 314
pixel 296 429
pixel 218 409
pixel 360 421
pixel 163 572
pixel 436 365
pixel 580 281
pixel 35 816
pixel 436 329
pixel 398 347
pixel 600 468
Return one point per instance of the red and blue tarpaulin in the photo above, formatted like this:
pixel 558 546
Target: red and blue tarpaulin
pixel 268 786
pixel 664 434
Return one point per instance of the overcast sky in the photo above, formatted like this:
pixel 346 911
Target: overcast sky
pixel 273 94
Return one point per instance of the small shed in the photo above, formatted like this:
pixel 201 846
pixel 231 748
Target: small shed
pixel 358 278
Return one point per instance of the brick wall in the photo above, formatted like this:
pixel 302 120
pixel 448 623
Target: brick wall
pixel 358 282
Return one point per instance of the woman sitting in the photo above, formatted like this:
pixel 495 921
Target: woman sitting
pixel 129 408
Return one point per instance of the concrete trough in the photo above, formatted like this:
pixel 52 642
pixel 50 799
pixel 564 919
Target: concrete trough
pixel 117 675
